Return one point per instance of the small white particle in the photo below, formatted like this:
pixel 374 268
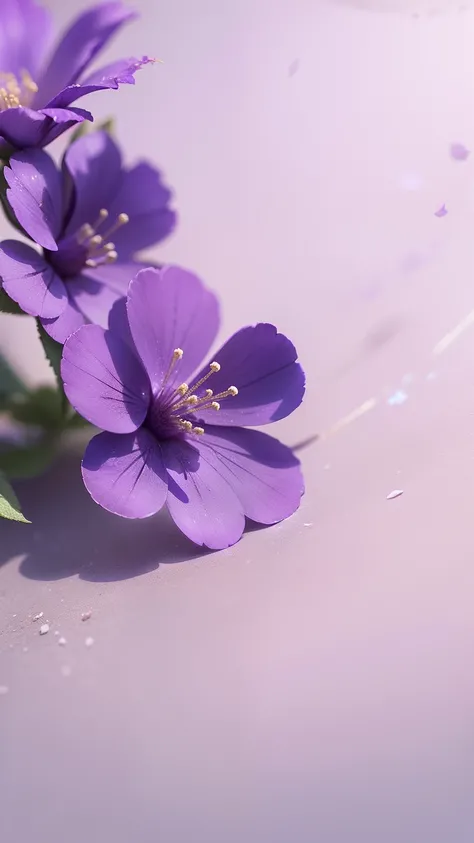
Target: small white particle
pixel 44 629
pixel 3 690
pixel 89 642
pixel 308 524
pixel 56 631
pixel 13 616
pixel 395 494
pixel 25 649
pixel 86 615
pixel 62 641
pixel 398 397
pixel 66 670
pixel 38 616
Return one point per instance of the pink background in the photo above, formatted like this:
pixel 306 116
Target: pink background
pixel 313 683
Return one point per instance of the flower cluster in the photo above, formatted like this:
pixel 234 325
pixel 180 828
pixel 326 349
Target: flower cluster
pixel 132 337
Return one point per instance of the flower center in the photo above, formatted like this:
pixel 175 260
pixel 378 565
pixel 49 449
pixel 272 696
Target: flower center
pixel 89 246
pixel 16 91
pixel 174 412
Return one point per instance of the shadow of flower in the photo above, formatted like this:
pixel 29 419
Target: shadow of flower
pixel 71 536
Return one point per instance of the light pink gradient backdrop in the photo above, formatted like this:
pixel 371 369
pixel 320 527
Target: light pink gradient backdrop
pixel 314 683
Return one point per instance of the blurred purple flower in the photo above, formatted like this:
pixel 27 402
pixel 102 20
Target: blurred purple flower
pixel 441 212
pixel 74 213
pixel 169 438
pixel 36 95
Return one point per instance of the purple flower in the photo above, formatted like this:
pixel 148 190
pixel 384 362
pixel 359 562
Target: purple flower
pixel 177 438
pixel 36 95
pixel 90 217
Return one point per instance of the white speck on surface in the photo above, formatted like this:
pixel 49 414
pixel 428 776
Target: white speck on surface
pixel 308 524
pixel 38 616
pixel 25 649
pixel 3 690
pixel 56 631
pixel 44 629
pixel 399 397
pixel 89 642
pixel 86 615
pixel 66 670
pixel 62 641
pixel 395 494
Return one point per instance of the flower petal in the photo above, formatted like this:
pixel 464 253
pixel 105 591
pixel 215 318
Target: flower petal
pixel 117 275
pixel 18 49
pixel 78 46
pixel 167 309
pixel 261 363
pixel 104 380
pixel 125 474
pixel 30 281
pixel 63 326
pixel 34 192
pixel 145 198
pixel 89 301
pixel 264 473
pixel 119 73
pixel 94 164
pixel 200 500
pixel 93 298
pixel 24 127
pixel 118 322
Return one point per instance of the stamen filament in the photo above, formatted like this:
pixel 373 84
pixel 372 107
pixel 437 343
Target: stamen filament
pixel 177 355
pixel 122 219
pixel 213 368
pixel 103 214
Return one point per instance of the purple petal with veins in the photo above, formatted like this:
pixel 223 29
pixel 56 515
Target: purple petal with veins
pixel 168 440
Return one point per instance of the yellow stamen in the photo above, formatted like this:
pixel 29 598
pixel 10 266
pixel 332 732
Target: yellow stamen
pixel 16 91
pixel 122 219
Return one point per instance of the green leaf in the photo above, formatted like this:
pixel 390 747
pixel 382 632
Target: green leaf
pixel 11 384
pixel 28 461
pixel 86 127
pixel 53 351
pixel 107 125
pixel 81 130
pixel 9 504
pixel 7 305
pixel 43 407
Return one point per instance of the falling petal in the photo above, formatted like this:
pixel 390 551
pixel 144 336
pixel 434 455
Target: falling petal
pixel 459 152
pixel 441 212
pixel 395 494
